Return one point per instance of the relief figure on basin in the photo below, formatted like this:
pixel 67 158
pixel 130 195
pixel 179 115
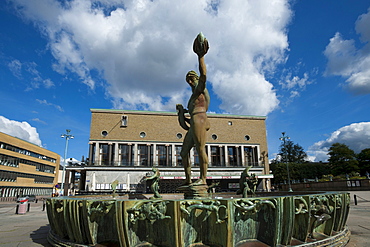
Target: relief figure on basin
pixel 198 124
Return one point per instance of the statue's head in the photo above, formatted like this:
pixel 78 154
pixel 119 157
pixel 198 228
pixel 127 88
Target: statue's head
pixel 192 78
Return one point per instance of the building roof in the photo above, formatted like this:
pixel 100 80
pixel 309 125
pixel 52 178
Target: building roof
pixel 173 113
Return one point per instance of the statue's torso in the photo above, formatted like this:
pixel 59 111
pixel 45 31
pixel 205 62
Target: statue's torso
pixel 198 103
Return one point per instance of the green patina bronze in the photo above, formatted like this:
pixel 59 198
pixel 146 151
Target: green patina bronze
pixel 257 221
pixel 247 183
pixel 155 177
pixel 198 124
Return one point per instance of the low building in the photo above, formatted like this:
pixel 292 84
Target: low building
pixel 25 168
pixel 125 145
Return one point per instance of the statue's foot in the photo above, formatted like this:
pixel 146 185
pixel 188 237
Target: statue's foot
pixel 200 182
pixel 187 183
pixel 155 197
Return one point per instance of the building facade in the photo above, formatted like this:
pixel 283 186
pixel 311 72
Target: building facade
pixel 125 145
pixel 25 168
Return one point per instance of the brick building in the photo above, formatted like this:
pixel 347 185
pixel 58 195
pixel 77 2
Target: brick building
pixel 26 168
pixel 125 145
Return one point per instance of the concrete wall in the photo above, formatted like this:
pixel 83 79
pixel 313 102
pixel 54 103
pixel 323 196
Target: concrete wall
pixel 342 185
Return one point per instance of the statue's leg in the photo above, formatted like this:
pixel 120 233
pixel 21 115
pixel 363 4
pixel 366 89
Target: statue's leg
pixel 200 123
pixel 185 155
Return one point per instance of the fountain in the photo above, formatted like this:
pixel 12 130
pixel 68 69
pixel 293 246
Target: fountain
pixel 268 220
pixel 200 218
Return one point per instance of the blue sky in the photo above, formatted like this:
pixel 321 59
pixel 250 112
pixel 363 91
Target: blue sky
pixel 303 64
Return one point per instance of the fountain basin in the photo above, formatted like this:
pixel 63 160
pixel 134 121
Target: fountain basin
pixel 314 219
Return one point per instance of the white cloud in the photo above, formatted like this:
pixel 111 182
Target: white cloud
pixel 15 67
pixel 295 81
pixel 345 60
pixel 39 120
pixel 143 48
pixel 68 161
pixel 45 102
pixel 356 136
pixel 37 79
pixel 22 130
pixel 48 83
pixel 295 84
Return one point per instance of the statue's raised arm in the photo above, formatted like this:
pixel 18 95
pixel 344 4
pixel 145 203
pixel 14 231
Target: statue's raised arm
pixel 201 47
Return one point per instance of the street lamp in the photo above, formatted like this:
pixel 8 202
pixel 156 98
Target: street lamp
pixel 283 138
pixel 67 136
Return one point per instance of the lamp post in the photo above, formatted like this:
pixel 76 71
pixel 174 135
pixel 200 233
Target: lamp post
pixel 283 138
pixel 67 136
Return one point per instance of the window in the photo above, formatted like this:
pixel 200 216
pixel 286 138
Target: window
pixel 8 176
pixel 251 156
pixel 164 155
pixel 126 154
pixel 104 154
pixel 178 158
pixel 217 159
pixel 7 160
pixel 234 157
pixel 142 134
pixel 196 157
pixel 124 121
pixel 25 152
pixel 145 157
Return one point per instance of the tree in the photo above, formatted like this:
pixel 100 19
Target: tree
pixel 291 153
pixel 364 161
pixel 342 159
pixel 299 171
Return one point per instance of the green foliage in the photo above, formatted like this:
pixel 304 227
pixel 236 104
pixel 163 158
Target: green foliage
pixel 358 177
pixel 326 178
pixel 342 159
pixel 339 177
pixel 292 153
pixel 364 161
pixel 298 171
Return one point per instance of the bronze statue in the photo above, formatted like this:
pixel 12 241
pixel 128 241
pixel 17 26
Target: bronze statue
pixel 114 187
pixel 247 183
pixel 198 124
pixel 154 187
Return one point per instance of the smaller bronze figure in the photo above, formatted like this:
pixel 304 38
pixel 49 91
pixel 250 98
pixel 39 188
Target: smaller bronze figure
pixel 154 187
pixel 321 212
pixel 114 188
pixel 252 206
pixel 152 211
pixel 248 183
pixel 207 206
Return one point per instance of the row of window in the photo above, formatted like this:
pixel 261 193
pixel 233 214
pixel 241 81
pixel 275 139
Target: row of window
pixel 145 155
pixel 178 135
pixel 17 191
pixel 8 176
pixel 25 152
pixel 7 160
